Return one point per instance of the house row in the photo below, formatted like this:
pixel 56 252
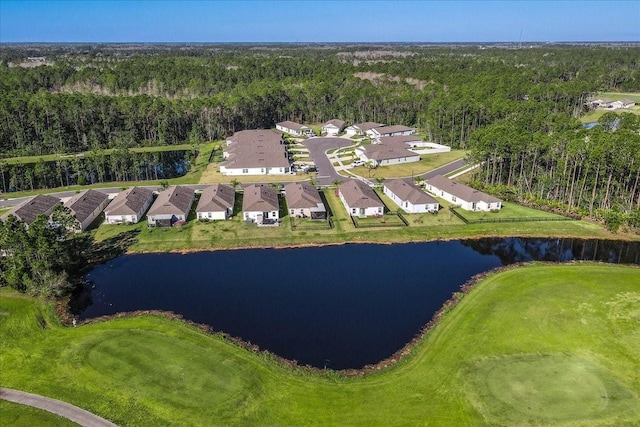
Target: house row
pixel 375 130
pixel 255 152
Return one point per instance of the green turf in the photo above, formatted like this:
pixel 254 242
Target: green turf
pixel 540 345
pixel 16 415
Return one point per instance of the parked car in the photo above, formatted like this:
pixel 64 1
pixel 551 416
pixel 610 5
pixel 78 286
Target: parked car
pixel 357 163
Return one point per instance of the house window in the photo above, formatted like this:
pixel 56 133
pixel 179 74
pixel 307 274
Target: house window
pixel 262 170
pixel 209 214
pixel 245 170
pixel 379 210
pixel 354 210
pixel 453 198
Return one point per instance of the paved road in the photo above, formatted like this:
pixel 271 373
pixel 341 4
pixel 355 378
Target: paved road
pixel 317 151
pixel 443 170
pixel 73 413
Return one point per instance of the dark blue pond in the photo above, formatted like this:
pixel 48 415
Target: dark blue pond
pixel 335 306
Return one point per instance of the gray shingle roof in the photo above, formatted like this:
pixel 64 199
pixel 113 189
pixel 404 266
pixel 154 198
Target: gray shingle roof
pixel 28 211
pixel 335 122
pixel 302 195
pixel 367 125
pixel 129 202
pixel 173 200
pixel 408 191
pixel 402 140
pixel 359 195
pixel 292 125
pixel 216 198
pixel 259 198
pixel 461 191
pixel 256 149
pixel 82 205
pixel 385 130
pixel 386 152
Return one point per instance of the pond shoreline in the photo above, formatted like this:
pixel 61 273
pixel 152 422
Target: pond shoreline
pixel 67 319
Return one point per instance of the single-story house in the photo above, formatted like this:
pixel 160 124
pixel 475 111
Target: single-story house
pixel 260 205
pixel 410 141
pixel 86 206
pixel 292 128
pixel 28 211
pixel 363 128
pixel 255 152
pixel 216 203
pixel 333 127
pixel 386 154
pixel 128 206
pixel 395 130
pixel 171 206
pixel 359 199
pixel 303 200
pixel 462 195
pixel 409 196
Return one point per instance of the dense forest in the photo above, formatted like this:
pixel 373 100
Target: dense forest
pixel 516 109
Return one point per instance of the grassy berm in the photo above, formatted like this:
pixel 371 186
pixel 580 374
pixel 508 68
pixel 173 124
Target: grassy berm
pixel 538 345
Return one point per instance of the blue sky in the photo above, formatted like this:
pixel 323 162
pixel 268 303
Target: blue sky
pixel 318 21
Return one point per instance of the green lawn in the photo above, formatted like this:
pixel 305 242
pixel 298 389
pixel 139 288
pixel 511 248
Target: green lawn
pixel 427 162
pixel 509 211
pixel 16 415
pixel 539 345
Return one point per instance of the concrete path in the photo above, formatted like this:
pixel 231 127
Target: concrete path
pixel 73 413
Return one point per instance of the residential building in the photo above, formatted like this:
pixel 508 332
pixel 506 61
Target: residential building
pixel 303 200
pixel 260 205
pixel 409 197
pixel 86 207
pixel 333 127
pixel 171 207
pixel 363 128
pixel 292 128
pixel 395 130
pixel 129 206
pixel 28 211
pixel 216 203
pixel 386 154
pixel 359 199
pixel 255 152
pixel 461 195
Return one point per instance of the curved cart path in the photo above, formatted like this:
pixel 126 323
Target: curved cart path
pixel 73 413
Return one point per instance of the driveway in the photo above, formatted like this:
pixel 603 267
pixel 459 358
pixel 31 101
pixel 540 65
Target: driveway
pixel 317 151
pixel 73 413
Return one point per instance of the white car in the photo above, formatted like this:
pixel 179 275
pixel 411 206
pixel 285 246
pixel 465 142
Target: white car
pixel 357 163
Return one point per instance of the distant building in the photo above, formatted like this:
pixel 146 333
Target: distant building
pixel 292 128
pixel 333 127
pixel 362 128
pixel 386 154
pixel 395 130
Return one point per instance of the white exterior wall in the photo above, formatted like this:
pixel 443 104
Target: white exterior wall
pixel 466 205
pixel 213 216
pixel 408 206
pixel 330 130
pixel 87 222
pixel 121 219
pixel 401 160
pixel 378 210
pixel 258 215
pixel 289 131
pixel 254 171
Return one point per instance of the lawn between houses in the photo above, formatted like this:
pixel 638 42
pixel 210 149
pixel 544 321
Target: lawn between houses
pixel 235 233
pixel 543 344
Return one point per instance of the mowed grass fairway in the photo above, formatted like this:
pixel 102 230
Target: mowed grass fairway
pixel 538 345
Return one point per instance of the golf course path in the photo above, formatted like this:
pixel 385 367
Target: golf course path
pixel 73 413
